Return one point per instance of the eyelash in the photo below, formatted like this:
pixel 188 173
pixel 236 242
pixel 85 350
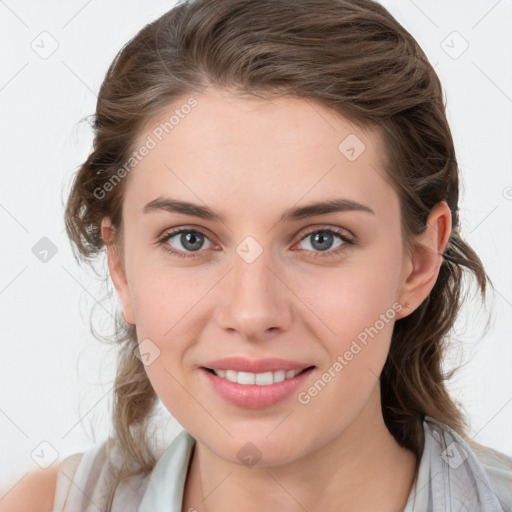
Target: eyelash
pixel 317 254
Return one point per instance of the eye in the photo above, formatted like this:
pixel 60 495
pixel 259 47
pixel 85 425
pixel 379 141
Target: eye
pixel 191 240
pixel 323 239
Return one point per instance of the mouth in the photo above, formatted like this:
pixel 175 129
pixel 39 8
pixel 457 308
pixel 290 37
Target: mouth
pixel 257 379
pixel 248 390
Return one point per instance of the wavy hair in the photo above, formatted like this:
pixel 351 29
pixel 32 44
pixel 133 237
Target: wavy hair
pixel 348 55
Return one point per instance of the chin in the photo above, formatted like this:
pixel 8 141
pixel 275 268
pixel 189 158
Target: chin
pixel 256 450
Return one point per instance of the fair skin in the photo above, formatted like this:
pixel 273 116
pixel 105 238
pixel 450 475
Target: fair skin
pixel 264 158
pixel 34 492
pixel 250 160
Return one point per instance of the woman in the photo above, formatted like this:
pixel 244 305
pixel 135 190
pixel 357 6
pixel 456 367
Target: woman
pixel 276 188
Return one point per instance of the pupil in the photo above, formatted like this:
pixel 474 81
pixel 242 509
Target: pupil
pixel 186 239
pixel 322 239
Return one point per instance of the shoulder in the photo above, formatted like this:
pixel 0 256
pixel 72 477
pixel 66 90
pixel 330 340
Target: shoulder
pixel 58 488
pixel 498 467
pixel 34 492
pixel 86 480
pixel 485 474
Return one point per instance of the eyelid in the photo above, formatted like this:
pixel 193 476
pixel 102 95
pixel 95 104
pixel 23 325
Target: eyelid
pixel 346 236
pixel 205 232
pixel 347 239
pixel 172 232
pixel 166 233
pixel 328 227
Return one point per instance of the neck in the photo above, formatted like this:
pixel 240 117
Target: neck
pixel 363 468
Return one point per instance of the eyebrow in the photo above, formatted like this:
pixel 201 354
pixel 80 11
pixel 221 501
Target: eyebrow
pixel 295 213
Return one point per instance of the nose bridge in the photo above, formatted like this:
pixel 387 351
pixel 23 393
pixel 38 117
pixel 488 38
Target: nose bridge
pixel 253 299
pixel 251 270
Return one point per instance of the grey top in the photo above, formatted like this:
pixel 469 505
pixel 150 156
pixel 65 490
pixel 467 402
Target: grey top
pixel 453 476
pixel 450 476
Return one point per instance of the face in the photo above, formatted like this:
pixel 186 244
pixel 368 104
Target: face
pixel 319 290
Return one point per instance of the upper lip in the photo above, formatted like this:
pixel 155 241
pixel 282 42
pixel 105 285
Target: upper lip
pixel 242 364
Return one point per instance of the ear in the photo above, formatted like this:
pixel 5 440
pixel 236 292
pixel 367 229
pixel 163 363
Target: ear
pixel 117 271
pixel 422 264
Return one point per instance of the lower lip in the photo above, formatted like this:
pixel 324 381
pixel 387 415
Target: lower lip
pixel 253 396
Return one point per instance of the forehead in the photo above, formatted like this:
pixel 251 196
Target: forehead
pixel 226 117
pixel 217 144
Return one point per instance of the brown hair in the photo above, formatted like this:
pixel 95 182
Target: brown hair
pixel 349 55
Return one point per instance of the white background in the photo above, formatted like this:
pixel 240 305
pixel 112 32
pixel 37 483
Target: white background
pixel 55 377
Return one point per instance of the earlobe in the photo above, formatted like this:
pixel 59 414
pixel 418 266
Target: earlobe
pixel 423 264
pixel 117 271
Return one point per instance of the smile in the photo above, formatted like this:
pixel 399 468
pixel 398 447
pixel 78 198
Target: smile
pixel 260 379
pixel 250 390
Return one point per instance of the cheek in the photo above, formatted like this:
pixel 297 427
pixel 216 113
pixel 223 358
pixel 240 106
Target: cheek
pixel 353 314
pixel 357 323
pixel 166 306
pixel 162 297
pixel 170 387
pixel 350 299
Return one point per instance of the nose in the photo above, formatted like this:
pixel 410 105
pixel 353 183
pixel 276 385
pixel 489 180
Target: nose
pixel 254 300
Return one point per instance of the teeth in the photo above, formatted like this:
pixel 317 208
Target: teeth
pixel 261 379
